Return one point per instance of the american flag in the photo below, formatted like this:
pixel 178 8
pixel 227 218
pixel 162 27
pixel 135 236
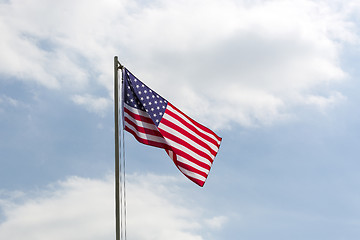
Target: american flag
pixel 152 120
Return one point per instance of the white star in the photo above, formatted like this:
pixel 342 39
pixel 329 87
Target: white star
pixel 142 98
pixel 150 103
pixel 147 97
pixel 155 102
pixel 158 108
pixel 131 100
pixel 139 92
pixel 153 96
pixel 152 109
pixel 137 86
pixel 145 91
pixel 157 96
pixel 154 115
pixel 160 113
pixel 157 120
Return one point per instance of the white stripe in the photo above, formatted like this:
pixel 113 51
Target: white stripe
pixel 136 111
pixel 171 154
pixel 146 136
pixel 188 151
pixel 180 114
pixel 141 123
pixel 192 174
pixel 187 162
pixel 185 138
pixel 179 124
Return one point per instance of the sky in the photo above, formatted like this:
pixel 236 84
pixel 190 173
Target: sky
pixel 277 80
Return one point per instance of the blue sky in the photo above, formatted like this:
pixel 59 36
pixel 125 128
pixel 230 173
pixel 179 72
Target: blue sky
pixel 278 80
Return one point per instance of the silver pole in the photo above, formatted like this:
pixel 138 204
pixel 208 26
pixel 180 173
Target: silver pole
pixel 117 177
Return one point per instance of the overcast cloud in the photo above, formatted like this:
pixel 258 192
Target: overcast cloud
pixel 248 63
pixel 80 208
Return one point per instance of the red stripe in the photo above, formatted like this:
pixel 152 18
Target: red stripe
pixel 196 123
pixel 197 181
pixel 189 135
pixel 174 157
pixel 147 142
pixel 185 144
pixel 138 117
pixel 190 158
pixel 191 127
pixel 143 130
pixel 191 169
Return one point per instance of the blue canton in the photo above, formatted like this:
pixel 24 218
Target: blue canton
pixel 140 96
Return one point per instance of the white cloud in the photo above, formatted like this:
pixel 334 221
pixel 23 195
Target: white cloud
pixel 324 102
pixel 80 208
pixel 246 62
pixel 8 100
pixel 217 222
pixel 94 104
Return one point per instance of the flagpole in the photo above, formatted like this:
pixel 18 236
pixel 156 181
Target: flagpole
pixel 117 177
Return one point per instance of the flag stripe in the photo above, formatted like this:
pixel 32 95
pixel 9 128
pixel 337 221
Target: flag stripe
pixel 138 116
pixel 208 137
pixel 182 132
pixel 179 153
pixel 149 126
pixel 192 174
pixel 183 162
pixel 131 117
pixel 137 111
pixel 186 152
pixel 146 136
pixel 168 133
pixel 146 141
pixel 200 127
pixel 138 126
pixel 192 170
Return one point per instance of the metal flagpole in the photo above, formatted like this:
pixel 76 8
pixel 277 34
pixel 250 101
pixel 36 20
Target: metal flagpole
pixel 117 177
pixel 120 194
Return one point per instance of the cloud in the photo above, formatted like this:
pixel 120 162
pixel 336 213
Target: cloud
pixel 94 104
pixel 217 222
pixel 324 102
pixel 8 101
pixel 80 208
pixel 223 62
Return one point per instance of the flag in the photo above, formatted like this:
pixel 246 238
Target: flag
pixel 154 121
